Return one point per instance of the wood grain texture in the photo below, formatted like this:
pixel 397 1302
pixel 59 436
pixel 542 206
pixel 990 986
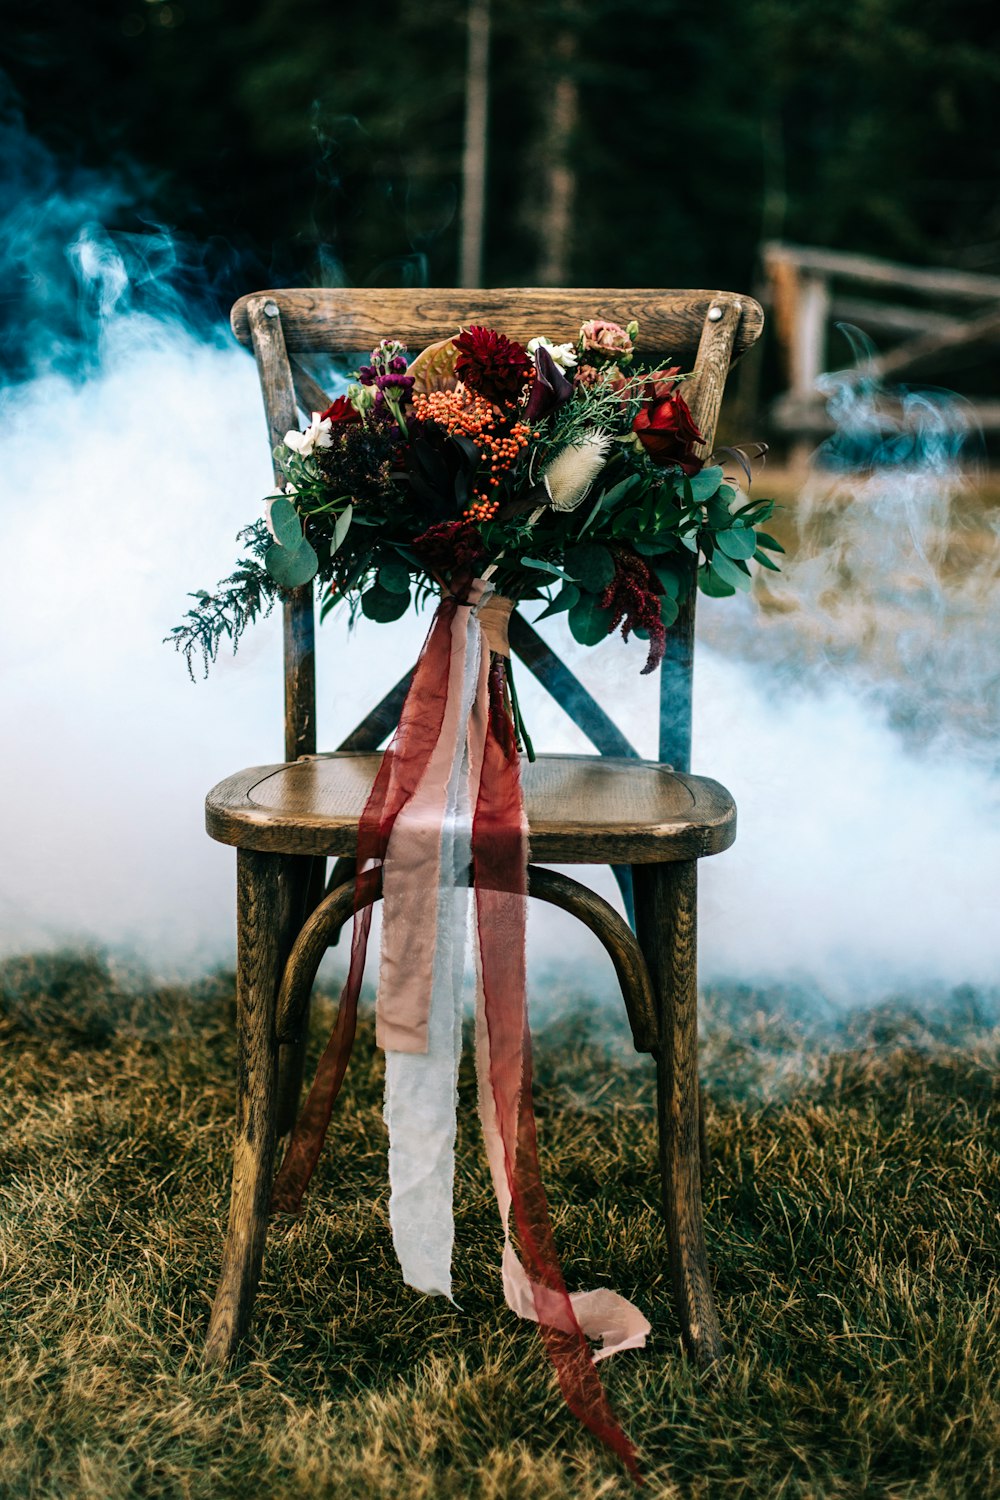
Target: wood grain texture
pixel 349 320
pixel 703 393
pixel 581 809
pixel 551 886
pixel 310 396
pixel 309 874
pixel 267 336
pixel 666 909
pixel 266 898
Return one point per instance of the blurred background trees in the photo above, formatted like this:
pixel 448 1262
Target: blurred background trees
pixel 643 143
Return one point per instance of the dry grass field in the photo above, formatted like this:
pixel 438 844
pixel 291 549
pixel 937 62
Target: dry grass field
pixel 852 1225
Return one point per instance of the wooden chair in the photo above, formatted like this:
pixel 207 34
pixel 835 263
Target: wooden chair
pixel 651 820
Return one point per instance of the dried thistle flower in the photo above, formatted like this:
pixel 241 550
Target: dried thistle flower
pixel 569 476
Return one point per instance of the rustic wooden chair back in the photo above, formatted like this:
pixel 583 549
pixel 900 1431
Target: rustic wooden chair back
pixel 658 822
pixel 702 330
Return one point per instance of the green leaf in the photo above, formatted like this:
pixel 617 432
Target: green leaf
pixel 729 571
pixel 620 491
pixel 591 516
pixel 737 542
pixel 669 610
pixel 763 540
pixel 565 599
pixel 717 515
pixel 545 567
pixel 394 577
pixel 710 583
pixel 342 527
pixel 591 565
pixel 706 483
pixel 654 546
pixel 588 622
pixel 670 578
pixel 290 567
pixel 384 605
pixel 766 562
pixel 285 523
pixel 627 520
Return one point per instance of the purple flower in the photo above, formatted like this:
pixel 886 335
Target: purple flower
pixel 549 389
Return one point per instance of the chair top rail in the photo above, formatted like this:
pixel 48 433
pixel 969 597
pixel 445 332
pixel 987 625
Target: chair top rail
pixel 345 320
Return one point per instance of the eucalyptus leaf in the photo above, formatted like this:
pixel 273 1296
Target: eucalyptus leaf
pixel 770 542
pixel 588 622
pixel 590 565
pixel 565 599
pixel 717 514
pixel 737 542
pixel 592 515
pixel 654 546
pixel 285 524
pixel 394 577
pixel 730 572
pixel 341 528
pixel 705 483
pixel 384 605
pixel 627 520
pixel 620 491
pixel 290 567
pixel 670 578
pixel 669 610
pixel 710 583
pixel 766 562
pixel 545 567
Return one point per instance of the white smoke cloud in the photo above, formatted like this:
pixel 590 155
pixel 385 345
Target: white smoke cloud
pixel 868 850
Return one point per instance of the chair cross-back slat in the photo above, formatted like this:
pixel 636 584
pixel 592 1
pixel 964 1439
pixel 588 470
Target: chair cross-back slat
pixel 703 329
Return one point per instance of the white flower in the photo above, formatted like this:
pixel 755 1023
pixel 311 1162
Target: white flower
pixel 316 435
pixel 571 473
pixel 564 355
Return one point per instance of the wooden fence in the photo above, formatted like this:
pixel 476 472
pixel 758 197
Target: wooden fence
pixel 923 322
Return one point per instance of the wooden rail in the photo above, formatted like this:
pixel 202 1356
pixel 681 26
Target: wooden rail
pixel 809 288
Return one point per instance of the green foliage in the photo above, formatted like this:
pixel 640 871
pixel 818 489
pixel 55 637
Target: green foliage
pixel 247 594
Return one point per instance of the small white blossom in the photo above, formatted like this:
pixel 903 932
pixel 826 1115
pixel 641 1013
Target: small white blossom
pixel 316 435
pixel 563 355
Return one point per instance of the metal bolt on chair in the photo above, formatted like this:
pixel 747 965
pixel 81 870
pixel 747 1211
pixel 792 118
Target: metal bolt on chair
pixel 651 820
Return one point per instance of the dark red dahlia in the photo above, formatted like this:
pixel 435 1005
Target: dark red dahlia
pixel 492 364
pixel 633 596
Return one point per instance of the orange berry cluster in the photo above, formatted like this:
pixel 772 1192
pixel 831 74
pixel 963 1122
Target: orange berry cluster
pixel 464 412
pixel 456 411
pixel 481 510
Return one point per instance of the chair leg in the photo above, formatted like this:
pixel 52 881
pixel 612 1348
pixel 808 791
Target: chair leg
pixel 268 905
pixel 292 1054
pixel 666 901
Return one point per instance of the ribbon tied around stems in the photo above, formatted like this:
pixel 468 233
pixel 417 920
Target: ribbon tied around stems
pixel 447 804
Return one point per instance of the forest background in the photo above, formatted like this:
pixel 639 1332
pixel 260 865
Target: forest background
pixel 627 143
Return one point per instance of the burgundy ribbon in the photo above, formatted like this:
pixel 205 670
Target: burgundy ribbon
pixel 501 883
pixel 403 765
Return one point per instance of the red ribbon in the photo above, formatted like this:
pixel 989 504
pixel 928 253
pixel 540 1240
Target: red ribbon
pixel 500 878
pixel 501 882
pixel 403 764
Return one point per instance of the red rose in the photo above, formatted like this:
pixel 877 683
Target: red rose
pixel 342 410
pixel 666 430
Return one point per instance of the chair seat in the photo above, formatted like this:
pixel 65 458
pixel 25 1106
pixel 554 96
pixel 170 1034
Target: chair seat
pixel 582 809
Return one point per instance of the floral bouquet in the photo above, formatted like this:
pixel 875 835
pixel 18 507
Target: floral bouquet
pixel 566 472
pixel 482 473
